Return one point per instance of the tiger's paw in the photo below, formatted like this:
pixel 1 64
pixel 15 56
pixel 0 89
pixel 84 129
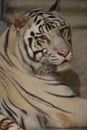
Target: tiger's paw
pixel 58 120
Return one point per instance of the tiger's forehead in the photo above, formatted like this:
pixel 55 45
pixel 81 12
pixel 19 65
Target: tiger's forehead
pixel 43 16
pixel 42 21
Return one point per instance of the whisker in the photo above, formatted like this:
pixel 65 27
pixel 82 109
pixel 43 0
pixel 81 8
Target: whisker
pixel 42 68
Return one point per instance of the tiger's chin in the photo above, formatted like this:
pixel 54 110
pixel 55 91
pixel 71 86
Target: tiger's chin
pixel 63 67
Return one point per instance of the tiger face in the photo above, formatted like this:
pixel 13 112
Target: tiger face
pixel 46 42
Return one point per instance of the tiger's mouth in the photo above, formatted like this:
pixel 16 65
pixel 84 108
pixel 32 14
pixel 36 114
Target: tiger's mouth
pixel 51 68
pixel 64 62
pixel 53 63
pixel 65 65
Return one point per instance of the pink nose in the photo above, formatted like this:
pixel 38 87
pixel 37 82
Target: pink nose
pixel 64 53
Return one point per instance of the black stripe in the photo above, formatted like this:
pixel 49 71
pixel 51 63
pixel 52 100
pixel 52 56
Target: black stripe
pixel 3 84
pixel 30 41
pixel 61 96
pixel 48 26
pixel 1 68
pixel 56 84
pixel 35 53
pixel 7 41
pixel 51 17
pixel 5 60
pixel 38 22
pixel 42 121
pixel 23 111
pixel 24 60
pixel 7 78
pixel 22 123
pixel 41 29
pixel 26 50
pixel 53 84
pixel 34 12
pixel 9 108
pixel 35 19
pixel 45 79
pixel 39 44
pixel 6 44
pixel 9 113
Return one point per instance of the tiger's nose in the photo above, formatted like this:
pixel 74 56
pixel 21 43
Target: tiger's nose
pixel 64 53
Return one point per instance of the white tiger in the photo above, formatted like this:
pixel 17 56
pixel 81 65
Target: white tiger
pixel 32 52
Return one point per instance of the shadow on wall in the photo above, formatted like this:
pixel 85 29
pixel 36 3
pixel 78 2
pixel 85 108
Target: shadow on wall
pixel 71 78
pixel 3 26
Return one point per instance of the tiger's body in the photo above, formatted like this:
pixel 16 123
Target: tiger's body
pixel 32 96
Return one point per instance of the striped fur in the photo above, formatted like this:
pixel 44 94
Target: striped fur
pixel 32 95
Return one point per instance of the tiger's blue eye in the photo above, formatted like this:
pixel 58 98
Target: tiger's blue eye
pixel 43 37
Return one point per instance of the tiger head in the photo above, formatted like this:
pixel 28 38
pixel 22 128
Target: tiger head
pixel 44 41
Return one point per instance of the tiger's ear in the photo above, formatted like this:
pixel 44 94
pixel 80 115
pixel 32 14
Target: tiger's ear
pixel 19 20
pixel 55 6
